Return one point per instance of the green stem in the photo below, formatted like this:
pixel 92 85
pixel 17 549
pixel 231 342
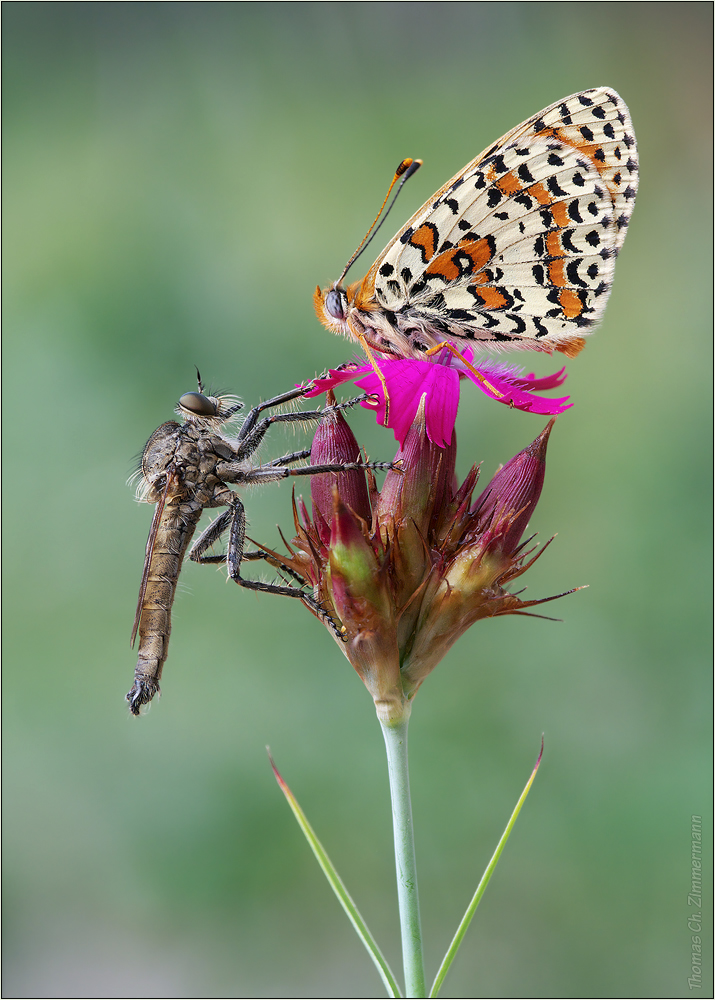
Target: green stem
pixel 396 743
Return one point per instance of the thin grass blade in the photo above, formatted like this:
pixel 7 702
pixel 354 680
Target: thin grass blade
pixel 336 883
pixel 471 909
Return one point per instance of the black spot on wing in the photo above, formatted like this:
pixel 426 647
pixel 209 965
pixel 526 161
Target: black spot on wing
pixel 573 275
pixel 553 186
pixel 461 315
pixel 566 241
pixel 573 211
pixel 524 174
pixel 494 197
pixel 499 164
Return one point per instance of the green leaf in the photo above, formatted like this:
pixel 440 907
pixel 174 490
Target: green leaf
pixel 471 909
pixel 336 883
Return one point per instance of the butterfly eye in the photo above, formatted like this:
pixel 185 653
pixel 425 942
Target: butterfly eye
pixel 336 304
pixel 198 404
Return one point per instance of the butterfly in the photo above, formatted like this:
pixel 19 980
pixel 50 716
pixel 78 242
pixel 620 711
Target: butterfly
pixel 517 250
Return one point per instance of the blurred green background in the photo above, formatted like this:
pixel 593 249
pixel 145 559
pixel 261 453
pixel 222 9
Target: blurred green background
pixel 178 177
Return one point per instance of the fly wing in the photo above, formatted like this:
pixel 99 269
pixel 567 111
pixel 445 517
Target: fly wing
pixel 156 521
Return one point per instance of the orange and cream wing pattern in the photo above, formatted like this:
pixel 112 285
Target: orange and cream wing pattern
pixel 518 249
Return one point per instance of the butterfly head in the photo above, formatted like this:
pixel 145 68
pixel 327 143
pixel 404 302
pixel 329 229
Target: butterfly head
pixel 331 305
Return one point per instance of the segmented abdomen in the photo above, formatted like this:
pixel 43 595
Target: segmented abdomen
pixel 173 535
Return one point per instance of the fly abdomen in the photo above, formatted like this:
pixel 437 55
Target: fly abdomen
pixel 171 537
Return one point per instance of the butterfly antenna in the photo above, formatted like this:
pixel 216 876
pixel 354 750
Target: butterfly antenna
pixel 405 170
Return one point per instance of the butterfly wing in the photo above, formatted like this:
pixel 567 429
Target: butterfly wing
pixel 518 249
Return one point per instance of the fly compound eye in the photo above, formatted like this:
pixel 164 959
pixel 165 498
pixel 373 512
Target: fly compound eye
pixel 198 404
pixel 336 304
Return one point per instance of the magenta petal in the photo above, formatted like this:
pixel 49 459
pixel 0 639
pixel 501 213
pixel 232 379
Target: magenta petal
pixel 408 380
pixel 539 384
pixel 442 405
pixel 336 376
pixel 514 392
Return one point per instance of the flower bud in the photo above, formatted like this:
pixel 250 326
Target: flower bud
pixel 425 482
pixel 333 444
pixel 406 584
pixel 358 585
pixel 506 505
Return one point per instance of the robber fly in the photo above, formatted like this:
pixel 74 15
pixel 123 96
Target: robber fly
pixel 185 468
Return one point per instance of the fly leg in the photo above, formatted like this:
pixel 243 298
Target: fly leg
pixel 234 519
pixel 294 456
pixel 254 430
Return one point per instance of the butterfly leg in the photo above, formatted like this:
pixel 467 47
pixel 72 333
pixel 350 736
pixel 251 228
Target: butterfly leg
pixel 376 369
pixel 478 375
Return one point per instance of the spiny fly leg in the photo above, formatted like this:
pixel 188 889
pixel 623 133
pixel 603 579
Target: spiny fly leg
pixel 314 470
pixel 272 561
pixel 233 519
pixel 323 615
pixel 253 430
pixel 294 456
pixel 253 414
pixel 209 537
pixel 345 405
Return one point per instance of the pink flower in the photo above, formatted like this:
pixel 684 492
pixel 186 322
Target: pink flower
pixel 408 380
pixel 407 570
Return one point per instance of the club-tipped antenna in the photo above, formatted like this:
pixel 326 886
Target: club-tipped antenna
pixel 405 170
